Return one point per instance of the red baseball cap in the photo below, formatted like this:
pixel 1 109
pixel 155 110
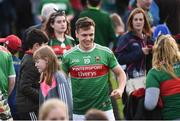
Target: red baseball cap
pixel 12 41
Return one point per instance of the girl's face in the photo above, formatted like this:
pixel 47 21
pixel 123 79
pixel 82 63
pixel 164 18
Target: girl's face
pixel 138 22
pixel 41 65
pixel 60 24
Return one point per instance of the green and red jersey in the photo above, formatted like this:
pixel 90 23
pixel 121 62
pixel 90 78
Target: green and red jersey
pixel 6 70
pixel 89 77
pixel 61 47
pixel 169 90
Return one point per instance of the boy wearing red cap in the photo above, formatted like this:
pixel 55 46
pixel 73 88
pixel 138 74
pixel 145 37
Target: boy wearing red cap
pixel 13 44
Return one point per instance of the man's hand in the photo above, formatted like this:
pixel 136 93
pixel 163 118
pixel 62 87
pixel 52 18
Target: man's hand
pixel 117 93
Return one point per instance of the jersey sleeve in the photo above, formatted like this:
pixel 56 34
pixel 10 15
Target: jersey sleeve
pixel 152 79
pixel 112 60
pixel 11 72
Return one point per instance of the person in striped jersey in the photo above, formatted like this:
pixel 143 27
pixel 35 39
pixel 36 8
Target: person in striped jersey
pixel 163 79
pixel 88 65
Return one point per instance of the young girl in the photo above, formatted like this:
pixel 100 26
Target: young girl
pixel 53 83
pixel 57 29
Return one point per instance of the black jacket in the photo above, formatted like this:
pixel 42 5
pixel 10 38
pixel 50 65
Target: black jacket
pixel 27 97
pixel 134 108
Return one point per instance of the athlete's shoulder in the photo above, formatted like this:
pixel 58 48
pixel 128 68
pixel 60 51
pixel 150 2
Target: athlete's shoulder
pixel 103 48
pixel 70 51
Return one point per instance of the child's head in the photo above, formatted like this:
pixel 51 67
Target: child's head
pixel 46 62
pixel 95 114
pixel 53 109
pixel 35 38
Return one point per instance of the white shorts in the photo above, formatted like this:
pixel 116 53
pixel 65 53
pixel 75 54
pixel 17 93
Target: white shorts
pixel 109 114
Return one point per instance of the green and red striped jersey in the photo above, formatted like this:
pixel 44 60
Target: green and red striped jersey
pixel 169 90
pixel 89 77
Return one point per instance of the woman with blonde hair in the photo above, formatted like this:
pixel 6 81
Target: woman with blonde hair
pixel 163 80
pixel 53 83
pixel 53 109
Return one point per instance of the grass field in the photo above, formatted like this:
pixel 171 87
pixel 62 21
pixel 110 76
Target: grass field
pixel 114 84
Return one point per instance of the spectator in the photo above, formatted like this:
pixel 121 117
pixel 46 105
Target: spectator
pixel 163 79
pixel 145 5
pixel 7 82
pixel 53 83
pixel 94 114
pixel 58 30
pixel 53 109
pixel 13 44
pixel 27 95
pixel 7 72
pixel 134 49
pixel 63 5
pixel 118 26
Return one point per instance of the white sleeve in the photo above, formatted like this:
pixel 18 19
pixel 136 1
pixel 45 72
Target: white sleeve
pixel 151 98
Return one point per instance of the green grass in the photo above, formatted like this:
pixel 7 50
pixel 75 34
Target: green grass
pixel 115 84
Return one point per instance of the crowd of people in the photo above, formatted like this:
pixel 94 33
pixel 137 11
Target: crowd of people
pixel 59 65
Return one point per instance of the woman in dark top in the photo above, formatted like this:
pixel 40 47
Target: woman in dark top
pixel 134 49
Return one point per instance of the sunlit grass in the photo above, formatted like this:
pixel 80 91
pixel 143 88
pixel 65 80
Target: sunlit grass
pixel 114 84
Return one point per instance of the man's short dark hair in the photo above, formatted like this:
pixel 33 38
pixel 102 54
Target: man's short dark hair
pixel 35 36
pixel 94 3
pixel 84 23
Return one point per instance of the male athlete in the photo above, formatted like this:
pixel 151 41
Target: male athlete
pixel 88 64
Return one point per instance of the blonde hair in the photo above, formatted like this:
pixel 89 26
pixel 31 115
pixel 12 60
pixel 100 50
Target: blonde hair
pixel 146 28
pixel 50 104
pixel 46 53
pixel 165 54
